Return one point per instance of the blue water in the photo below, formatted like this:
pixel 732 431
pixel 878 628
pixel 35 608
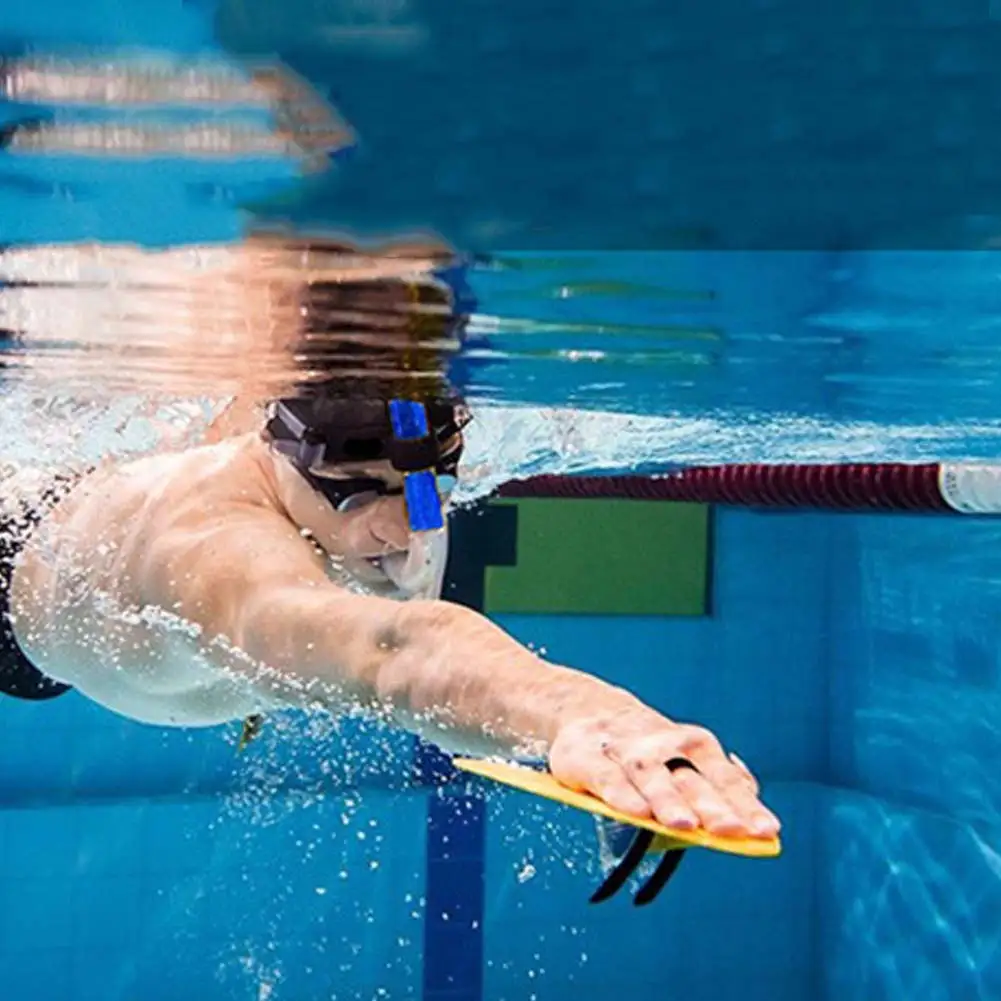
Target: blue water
pixel 819 184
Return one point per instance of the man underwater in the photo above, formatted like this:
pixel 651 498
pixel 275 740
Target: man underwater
pixel 276 568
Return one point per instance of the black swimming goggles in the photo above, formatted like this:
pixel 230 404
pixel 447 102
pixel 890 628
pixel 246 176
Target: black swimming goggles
pixel 417 439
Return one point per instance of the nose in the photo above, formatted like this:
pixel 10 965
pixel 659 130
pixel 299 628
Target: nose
pixel 376 528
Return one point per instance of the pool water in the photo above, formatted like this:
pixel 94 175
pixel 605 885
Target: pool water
pixel 766 232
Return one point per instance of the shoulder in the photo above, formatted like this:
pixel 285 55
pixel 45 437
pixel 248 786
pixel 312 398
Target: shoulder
pixel 203 462
pixel 236 468
pixel 153 492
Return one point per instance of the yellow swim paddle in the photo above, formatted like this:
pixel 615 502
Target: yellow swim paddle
pixel 650 837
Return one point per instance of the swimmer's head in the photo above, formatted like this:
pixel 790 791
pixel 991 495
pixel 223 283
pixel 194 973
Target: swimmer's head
pixel 340 472
pixel 345 448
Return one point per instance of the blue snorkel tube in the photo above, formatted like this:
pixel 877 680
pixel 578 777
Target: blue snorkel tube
pixel 420 489
pixel 420 571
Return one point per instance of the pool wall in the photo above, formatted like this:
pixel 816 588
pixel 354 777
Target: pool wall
pixel 910 836
pixel 152 863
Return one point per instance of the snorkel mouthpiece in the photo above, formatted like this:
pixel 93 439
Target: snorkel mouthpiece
pixel 420 490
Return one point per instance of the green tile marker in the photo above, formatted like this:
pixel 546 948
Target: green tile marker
pixel 605 557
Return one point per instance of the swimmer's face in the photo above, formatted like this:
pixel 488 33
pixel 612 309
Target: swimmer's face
pixel 365 525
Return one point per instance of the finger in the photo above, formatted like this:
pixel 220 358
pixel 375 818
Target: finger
pixel 735 805
pixel 738 763
pixel 763 822
pixel 732 786
pixel 665 800
pixel 606 780
pixel 714 811
pixel 705 788
pixel 759 820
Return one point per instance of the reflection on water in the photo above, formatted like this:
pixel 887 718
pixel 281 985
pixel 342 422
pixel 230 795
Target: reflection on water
pixel 129 100
pixel 718 369
pixel 632 362
pixel 253 318
pixel 263 317
pixel 780 356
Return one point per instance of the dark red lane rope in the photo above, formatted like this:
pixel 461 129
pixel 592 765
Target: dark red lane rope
pixel 859 486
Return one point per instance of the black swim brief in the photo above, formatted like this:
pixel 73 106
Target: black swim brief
pixel 18 676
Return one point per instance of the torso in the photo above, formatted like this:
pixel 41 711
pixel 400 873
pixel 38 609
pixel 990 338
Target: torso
pixel 86 622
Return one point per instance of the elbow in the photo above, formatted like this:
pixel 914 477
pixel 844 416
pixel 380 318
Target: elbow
pixel 349 649
pixel 434 619
pixel 411 657
pixel 362 651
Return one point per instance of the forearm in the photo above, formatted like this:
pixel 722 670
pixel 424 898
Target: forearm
pixel 437 668
pixel 468 685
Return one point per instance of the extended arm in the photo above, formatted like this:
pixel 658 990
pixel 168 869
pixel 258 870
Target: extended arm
pixel 442 670
pixel 436 667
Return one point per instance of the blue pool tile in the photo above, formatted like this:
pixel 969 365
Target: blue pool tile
pixel 122 905
pixel 44 974
pixel 453 915
pixel 35 911
pixel 455 828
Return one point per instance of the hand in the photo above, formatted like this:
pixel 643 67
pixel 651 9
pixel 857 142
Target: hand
pixel 621 758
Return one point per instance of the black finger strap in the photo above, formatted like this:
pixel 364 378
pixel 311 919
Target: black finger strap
pixel 668 865
pixel 635 854
pixel 624 869
pixel 677 764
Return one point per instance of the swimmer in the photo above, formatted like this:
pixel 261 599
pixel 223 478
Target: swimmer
pixel 273 566
pixel 209 584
